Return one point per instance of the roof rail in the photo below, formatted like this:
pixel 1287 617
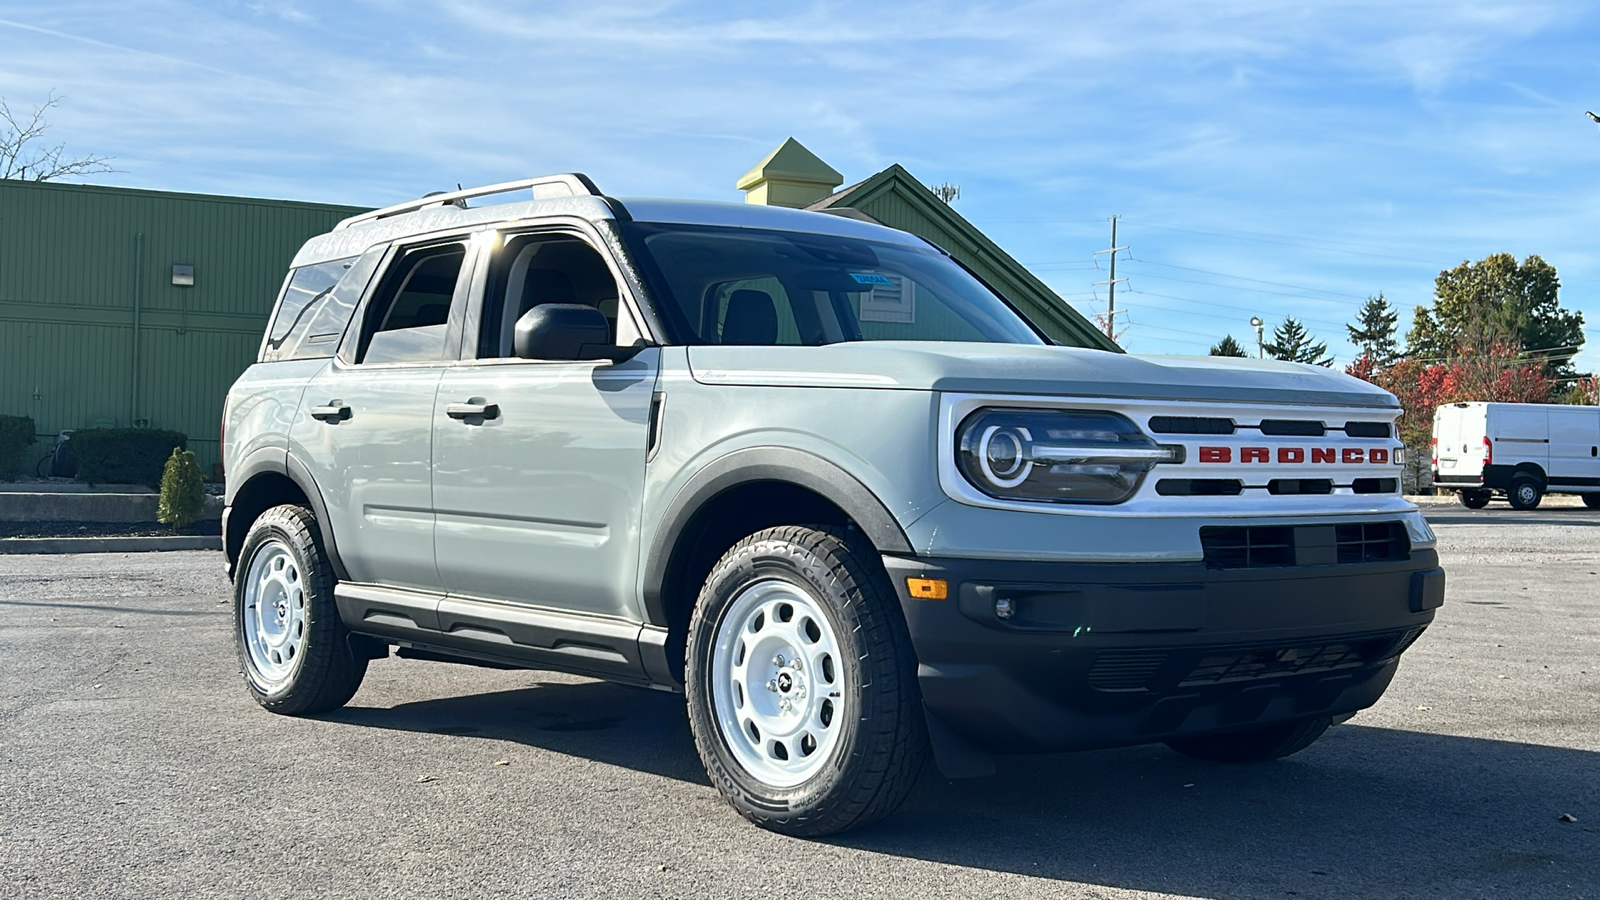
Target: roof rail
pixel 545 187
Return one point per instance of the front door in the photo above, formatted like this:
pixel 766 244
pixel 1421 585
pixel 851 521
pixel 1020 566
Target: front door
pixel 538 467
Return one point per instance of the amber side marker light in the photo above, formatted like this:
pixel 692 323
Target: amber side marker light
pixel 928 588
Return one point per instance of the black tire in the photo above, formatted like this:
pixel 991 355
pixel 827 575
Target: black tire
pixel 1255 745
pixel 324 674
pixel 1591 500
pixel 1525 493
pixel 880 750
pixel 1474 499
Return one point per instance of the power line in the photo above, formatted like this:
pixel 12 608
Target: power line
pixel 1321 322
pixel 1298 287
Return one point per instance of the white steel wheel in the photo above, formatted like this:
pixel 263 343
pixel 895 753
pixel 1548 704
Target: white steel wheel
pixel 778 688
pixel 274 621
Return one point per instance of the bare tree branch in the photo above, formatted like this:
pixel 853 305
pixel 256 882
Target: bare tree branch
pixel 23 158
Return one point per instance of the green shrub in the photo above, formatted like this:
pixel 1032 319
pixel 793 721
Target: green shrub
pixel 124 455
pixel 16 434
pixel 183 491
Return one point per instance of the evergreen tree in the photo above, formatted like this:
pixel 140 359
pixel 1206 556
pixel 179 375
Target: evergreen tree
pixel 1494 303
pixel 1292 343
pixel 1228 347
pixel 1375 333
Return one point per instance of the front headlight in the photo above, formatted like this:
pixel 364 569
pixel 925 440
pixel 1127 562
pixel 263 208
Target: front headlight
pixel 1058 456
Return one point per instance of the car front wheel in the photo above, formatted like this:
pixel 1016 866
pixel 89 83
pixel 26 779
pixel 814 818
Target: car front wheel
pixel 293 649
pixel 801 683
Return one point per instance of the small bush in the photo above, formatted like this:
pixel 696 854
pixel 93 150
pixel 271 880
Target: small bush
pixel 183 491
pixel 124 455
pixel 16 435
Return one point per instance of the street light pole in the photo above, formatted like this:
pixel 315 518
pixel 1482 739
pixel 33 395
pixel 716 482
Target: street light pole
pixel 1261 346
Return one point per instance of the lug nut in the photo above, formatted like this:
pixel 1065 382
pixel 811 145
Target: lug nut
pixel 773 685
pixel 778 660
pixel 795 664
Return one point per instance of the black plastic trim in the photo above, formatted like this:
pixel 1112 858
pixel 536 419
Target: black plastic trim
pixel 300 475
pixel 755 464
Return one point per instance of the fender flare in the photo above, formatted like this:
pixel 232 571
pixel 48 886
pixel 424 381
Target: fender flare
pixel 779 464
pixel 280 462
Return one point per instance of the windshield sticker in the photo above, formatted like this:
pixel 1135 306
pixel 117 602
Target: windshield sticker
pixel 870 278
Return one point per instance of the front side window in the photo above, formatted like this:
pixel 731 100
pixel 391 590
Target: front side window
pixel 535 269
pixel 408 318
pixel 756 287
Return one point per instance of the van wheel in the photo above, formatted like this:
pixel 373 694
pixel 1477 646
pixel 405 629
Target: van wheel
pixel 1256 744
pixel 1474 499
pixel 293 649
pixel 801 683
pixel 1525 492
pixel 1592 501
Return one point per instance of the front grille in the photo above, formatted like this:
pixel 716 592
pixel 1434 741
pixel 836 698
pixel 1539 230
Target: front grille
pixel 1263 546
pixel 1296 427
pixel 1125 670
pixel 1372 542
pixel 1367 429
pixel 1133 670
pixel 1199 487
pixel 1190 425
pixel 1248 547
pixel 1300 486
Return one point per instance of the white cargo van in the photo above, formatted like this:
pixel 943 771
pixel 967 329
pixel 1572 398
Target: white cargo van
pixel 1521 451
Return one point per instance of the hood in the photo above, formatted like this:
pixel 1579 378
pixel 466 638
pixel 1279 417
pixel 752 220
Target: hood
pixel 1031 369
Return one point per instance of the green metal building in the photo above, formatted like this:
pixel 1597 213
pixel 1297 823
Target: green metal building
pixel 124 307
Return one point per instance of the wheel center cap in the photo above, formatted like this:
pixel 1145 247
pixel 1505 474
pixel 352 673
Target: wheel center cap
pixel 785 682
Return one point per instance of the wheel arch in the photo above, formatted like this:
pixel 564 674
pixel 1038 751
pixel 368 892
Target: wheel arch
pixel 1533 469
pixel 271 478
pixel 737 495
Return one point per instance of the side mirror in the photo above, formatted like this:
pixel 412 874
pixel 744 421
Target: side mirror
pixel 564 331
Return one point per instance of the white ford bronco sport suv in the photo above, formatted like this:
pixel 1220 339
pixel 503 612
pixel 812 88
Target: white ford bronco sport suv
pixel 816 475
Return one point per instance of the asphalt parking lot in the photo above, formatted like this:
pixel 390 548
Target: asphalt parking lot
pixel 136 766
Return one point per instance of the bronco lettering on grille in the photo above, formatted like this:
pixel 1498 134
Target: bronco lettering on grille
pixel 1297 455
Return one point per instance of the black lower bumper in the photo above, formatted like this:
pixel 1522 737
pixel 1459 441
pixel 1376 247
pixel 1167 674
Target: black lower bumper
pixel 1097 655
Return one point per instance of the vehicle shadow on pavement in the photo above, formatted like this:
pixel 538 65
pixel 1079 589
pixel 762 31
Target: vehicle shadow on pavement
pixel 640 729
pixel 1365 812
pixel 1369 812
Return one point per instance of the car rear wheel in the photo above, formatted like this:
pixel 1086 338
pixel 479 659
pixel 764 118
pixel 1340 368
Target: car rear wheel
pixel 294 651
pixel 1526 492
pixel 1474 499
pixel 801 683
pixel 1256 744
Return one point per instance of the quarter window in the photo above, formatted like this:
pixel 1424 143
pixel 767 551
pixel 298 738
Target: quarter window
pixel 314 310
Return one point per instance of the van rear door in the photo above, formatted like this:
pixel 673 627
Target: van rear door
pixel 1458 432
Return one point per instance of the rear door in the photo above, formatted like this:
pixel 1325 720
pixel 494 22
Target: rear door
pixel 539 465
pixel 365 423
pixel 1458 434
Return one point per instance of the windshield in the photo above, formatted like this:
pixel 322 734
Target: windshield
pixel 755 287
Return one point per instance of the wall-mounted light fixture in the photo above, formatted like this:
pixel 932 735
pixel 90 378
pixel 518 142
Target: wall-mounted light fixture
pixel 183 276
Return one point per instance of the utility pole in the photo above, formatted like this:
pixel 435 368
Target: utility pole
pixel 1111 283
pixel 1261 344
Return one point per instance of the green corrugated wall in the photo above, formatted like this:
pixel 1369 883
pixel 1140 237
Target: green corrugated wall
pixel 76 260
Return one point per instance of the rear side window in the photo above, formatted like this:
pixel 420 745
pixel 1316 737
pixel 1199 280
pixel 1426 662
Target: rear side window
pixel 315 309
pixel 409 316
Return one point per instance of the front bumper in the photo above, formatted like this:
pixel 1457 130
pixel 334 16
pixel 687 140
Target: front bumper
pixel 1100 655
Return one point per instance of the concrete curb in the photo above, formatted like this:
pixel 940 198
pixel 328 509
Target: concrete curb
pixel 110 544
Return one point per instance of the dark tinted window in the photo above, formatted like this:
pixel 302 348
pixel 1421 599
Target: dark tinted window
pixel 306 294
pixel 750 286
pixel 535 269
pixel 408 317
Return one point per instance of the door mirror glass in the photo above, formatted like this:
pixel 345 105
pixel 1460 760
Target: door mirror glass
pixel 572 331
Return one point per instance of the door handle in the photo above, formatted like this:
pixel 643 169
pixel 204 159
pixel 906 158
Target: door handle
pixel 334 412
pixel 476 408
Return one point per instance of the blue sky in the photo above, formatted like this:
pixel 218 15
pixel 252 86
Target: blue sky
pixel 1267 158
